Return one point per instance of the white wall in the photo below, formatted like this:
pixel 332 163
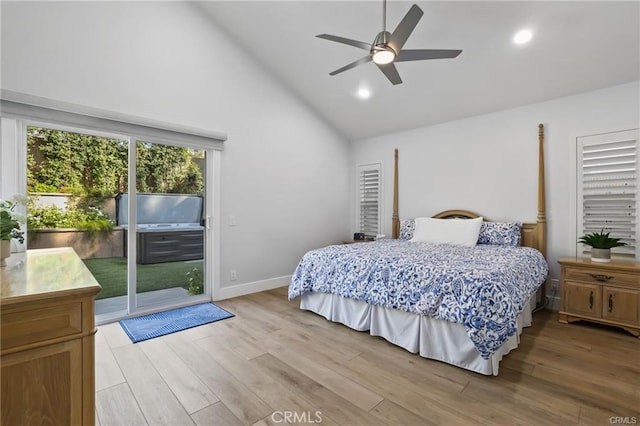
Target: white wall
pixel 284 173
pixel 488 164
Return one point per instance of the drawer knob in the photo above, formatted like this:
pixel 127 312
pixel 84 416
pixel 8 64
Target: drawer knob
pixel 600 277
pixel 591 300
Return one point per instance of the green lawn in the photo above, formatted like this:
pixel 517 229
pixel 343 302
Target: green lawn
pixel 111 273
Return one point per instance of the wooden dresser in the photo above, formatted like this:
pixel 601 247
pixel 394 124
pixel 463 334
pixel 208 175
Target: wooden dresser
pixel 607 293
pixel 47 332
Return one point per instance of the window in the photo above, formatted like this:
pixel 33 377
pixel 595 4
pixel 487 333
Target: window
pixel 369 199
pixel 607 187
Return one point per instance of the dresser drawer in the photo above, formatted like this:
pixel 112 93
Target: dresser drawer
pixel 602 276
pixel 39 323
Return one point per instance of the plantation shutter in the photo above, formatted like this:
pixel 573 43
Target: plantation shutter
pixel 369 205
pixel 608 187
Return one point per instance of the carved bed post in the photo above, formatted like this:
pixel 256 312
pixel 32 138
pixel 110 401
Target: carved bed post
pixel 542 216
pixel 395 219
pixel 541 228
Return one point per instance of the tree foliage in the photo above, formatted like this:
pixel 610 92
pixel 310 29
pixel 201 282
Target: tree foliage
pixel 60 161
pixel 80 213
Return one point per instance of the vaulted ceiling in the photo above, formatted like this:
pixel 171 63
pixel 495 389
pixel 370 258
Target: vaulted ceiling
pixel 577 46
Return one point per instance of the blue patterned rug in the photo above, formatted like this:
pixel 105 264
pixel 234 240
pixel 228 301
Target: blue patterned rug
pixel 155 325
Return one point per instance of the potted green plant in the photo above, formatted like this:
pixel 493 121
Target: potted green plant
pixel 601 244
pixel 9 228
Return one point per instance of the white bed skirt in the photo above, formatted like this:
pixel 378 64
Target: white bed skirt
pixel 430 337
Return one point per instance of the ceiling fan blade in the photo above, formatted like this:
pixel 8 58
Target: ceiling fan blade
pixel 421 54
pixel 354 43
pixel 405 28
pixel 352 65
pixel 391 72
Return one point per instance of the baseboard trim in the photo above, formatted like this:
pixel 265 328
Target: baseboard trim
pixel 252 287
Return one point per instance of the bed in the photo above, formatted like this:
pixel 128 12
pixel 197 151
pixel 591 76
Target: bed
pixel 456 288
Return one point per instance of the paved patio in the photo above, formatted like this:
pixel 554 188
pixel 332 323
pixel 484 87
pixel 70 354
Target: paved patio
pixel 119 303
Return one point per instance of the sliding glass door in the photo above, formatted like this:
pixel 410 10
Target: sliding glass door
pixel 136 212
pixel 73 180
pixel 170 230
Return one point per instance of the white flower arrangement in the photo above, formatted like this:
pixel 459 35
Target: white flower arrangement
pixel 10 220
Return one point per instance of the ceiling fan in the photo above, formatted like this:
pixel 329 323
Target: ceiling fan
pixel 386 48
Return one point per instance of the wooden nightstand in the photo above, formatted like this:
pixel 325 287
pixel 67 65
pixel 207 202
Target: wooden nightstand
pixel 606 293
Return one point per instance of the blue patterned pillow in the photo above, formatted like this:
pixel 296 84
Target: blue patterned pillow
pixel 500 233
pixel 407 226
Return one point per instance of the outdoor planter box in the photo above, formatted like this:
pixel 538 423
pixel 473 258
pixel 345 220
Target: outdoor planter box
pixel 87 245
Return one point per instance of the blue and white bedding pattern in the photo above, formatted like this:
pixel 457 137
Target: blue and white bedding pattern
pixel 485 288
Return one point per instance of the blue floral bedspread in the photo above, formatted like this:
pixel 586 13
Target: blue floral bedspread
pixel 484 288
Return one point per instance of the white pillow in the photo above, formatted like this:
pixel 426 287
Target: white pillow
pixel 463 232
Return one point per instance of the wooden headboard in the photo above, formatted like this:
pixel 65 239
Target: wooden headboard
pixel 533 234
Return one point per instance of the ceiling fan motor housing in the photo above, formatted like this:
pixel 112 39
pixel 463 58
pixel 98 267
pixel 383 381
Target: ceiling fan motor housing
pixel 381 39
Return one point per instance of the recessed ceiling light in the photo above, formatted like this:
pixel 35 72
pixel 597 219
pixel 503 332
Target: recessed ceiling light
pixel 522 37
pixel 364 93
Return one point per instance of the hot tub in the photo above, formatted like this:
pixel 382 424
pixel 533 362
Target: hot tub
pixel 168 226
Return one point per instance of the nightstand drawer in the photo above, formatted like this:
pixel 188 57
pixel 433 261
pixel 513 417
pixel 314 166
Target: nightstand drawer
pixel 602 276
pixel 38 324
pixel 621 305
pixel 582 299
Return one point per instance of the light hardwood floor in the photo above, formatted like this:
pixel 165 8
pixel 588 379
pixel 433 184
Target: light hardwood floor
pixel 273 362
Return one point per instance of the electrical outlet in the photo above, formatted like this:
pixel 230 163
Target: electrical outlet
pixel 554 284
pixel 233 275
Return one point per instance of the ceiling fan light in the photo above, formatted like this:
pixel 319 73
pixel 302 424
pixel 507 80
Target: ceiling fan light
pixel 383 56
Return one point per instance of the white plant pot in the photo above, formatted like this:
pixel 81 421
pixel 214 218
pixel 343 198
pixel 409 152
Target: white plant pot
pixel 600 255
pixel 5 251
